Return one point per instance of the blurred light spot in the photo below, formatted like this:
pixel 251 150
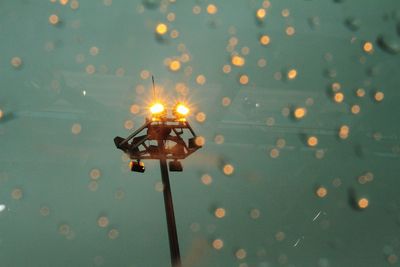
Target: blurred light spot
pixel 290 31
pixel 228 169
pixel 220 213
pixel 171 16
pixel 200 140
pixel 261 63
pixel 265 40
pixel 280 236
pixel 196 10
pixel 90 69
pixel 94 50
pixel 206 179
pixel 299 113
pixel 360 92
pixel 245 50
pixel 368 47
pixel 255 214
pixel 103 221
pixel 241 254
pixel 175 65
pixel 226 69
pixel 344 131
pixel 93 186
pixel 218 244
pixel 113 234
pixel 355 109
pixel 16 193
pixel 135 109
pixel 244 79
pixel 201 79
pixel 201 117
pixel 161 29
pixel 174 34
pixel 212 9
pixel 285 13
pixel 321 192
pixel 270 121
pixel 226 101
pixel 338 97
pixel 312 141
pixel 280 142
pixel 363 203
pixel 74 4
pixel 292 74
pixel 64 229
pixel 379 96
pixel 219 139
pixel 53 19
pixel 44 211
pixel 274 153
pixel 1 114
pixel 16 62
pixel 337 182
pixel 261 13
pixel 392 259
pixel 2 207
pixel 128 124
pixel 238 61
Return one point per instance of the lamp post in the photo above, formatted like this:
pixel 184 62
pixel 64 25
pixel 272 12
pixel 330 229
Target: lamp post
pixel 161 138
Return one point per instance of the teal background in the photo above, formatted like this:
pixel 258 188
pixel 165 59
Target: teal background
pixel 44 97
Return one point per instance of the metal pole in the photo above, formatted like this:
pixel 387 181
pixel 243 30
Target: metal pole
pixel 169 210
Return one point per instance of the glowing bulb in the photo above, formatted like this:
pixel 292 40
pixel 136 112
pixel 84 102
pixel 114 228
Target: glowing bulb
pixel 181 109
pixel 157 108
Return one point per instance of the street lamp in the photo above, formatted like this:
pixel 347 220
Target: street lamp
pixel 161 138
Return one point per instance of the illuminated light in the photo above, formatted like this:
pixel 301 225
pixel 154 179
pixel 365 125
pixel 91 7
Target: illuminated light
pixel 103 222
pixel 135 109
pixel 368 47
pixel 292 74
pixel 95 174
pixel 200 141
pixel 219 139
pixel 174 34
pixel 265 40
pixel 76 128
pixel 185 58
pixel 321 192
pixel 181 110
pixel 220 213
pixel 226 101
pixel 175 65
pixel 16 193
pixel 379 96
pixel 360 92
pixel 261 13
pixel 161 28
pixel 355 109
pixel 157 108
pixel 201 79
pixel 261 63
pixel 238 61
pixel 113 234
pixel 344 132
pixel 363 203
pixel 290 31
pixel 338 97
pixel 299 113
pixel 53 19
pixel 196 10
pixel 244 79
pixel 228 169
pixel 206 179
pixel 64 2
pixel 16 62
pixel 336 86
pixel 218 244
pixel 226 69
pixel 44 211
pixel 266 4
pixel 240 254
pixel 285 13
pixel 233 41
pixel 90 69
pixel 201 117
pixel 312 141
pixel 1 114
pixel 255 214
pixel 212 9
pixel 274 153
